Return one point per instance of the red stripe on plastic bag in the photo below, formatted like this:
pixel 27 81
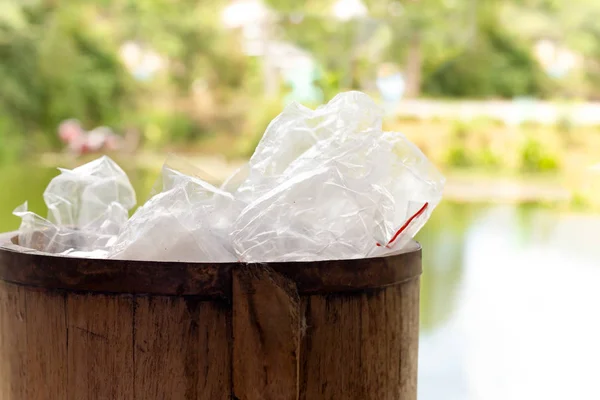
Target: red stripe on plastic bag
pixel 406 224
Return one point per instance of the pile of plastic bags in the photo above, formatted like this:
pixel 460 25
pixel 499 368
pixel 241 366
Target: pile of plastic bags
pixel 322 184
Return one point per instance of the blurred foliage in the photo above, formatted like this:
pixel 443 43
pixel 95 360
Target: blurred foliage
pixel 535 157
pixel 470 144
pixel 54 68
pixel 485 147
pixel 458 154
pixel 62 60
pixel 498 65
pixel 256 125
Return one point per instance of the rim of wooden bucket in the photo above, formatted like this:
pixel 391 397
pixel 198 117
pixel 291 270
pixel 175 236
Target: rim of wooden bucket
pixel 211 280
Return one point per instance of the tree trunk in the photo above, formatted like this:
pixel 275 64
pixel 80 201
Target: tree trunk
pixel 414 63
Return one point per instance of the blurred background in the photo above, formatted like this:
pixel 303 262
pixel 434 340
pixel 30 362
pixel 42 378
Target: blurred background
pixel 503 96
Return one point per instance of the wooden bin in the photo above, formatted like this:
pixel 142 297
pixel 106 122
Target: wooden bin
pixel 80 329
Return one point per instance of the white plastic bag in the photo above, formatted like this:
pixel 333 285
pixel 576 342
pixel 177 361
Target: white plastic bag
pixel 189 220
pixel 87 207
pixel 355 192
pixel 297 129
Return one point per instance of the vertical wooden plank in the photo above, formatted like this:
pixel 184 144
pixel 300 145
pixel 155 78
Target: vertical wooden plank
pixel 33 356
pixel 163 341
pixel 46 345
pixel 331 349
pixel 214 364
pixel 266 334
pixel 361 346
pixel 409 343
pixel 181 349
pixel 376 344
pixel 13 346
pixel 100 350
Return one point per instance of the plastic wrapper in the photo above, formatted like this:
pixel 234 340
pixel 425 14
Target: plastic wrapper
pixel 87 207
pixel 188 220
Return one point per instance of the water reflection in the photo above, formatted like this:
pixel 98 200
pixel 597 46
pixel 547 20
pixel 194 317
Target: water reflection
pixel 523 321
pixel 444 234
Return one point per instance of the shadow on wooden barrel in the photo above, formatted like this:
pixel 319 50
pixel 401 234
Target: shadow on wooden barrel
pixel 73 328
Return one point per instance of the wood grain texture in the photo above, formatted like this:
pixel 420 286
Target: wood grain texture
pixel 210 280
pixel 29 321
pixel 266 332
pixel 56 346
pixel 181 349
pixel 115 276
pixel 13 343
pixel 408 338
pixel 361 347
pixel 46 345
pixel 84 329
pixel 341 276
pixel 100 347
pixel 214 364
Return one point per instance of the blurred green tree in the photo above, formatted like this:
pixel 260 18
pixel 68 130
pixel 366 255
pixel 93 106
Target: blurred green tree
pixel 55 66
pixel 62 60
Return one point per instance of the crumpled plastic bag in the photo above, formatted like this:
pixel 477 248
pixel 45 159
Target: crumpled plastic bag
pixel 296 130
pixel 355 192
pixel 188 220
pixel 87 207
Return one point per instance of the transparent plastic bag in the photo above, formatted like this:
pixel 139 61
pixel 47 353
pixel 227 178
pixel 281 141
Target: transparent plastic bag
pixel 188 220
pixel 312 216
pixel 80 197
pixel 355 192
pixel 297 129
pixel 390 171
pixel 87 207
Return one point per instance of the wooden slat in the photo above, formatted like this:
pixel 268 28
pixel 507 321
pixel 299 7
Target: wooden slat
pixel 13 347
pixel 46 345
pixel 181 350
pixel 266 334
pixel 331 348
pixel 33 344
pixel 215 351
pixel 409 339
pixel 100 354
pixel 361 347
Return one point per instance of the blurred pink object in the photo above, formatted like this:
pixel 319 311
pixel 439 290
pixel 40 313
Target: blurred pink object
pixel 80 141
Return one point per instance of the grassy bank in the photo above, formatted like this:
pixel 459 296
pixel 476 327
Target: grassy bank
pixel 485 150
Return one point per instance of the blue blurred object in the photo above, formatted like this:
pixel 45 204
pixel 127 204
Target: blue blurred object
pixel 391 87
pixel 302 82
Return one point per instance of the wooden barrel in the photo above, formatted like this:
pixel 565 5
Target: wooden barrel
pixel 78 329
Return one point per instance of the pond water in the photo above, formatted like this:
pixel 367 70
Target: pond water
pixel 510 303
